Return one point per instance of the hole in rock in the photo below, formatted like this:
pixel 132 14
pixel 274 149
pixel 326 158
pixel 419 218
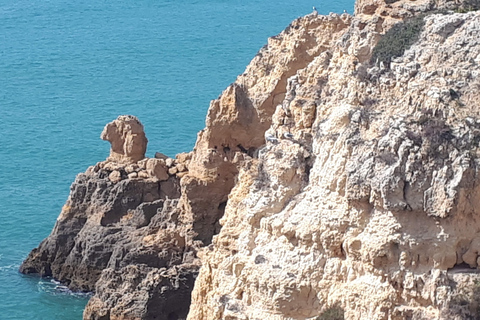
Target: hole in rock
pixel 463 268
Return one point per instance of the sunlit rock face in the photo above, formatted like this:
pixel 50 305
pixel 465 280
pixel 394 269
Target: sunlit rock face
pixel 367 203
pixel 127 139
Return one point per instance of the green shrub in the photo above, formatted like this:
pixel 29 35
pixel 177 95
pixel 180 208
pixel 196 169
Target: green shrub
pixel 398 39
pixel 465 9
pixel 333 313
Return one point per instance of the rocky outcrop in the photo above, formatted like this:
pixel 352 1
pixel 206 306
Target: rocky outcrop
pixel 120 226
pixel 127 138
pixel 98 221
pixel 366 202
pixel 361 203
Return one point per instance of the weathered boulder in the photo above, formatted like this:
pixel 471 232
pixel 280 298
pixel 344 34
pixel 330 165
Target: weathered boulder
pixel 157 168
pixel 127 139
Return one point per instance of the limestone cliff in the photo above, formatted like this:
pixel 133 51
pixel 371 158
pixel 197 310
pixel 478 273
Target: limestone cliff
pixel 362 204
pixel 365 206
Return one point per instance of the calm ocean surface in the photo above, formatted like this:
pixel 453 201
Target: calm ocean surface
pixel 69 67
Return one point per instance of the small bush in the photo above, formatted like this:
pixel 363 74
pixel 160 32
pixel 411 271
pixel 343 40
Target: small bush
pixel 468 5
pixel 464 304
pixel 398 39
pixel 465 9
pixel 333 313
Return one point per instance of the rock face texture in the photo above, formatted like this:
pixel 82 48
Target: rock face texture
pixel 367 201
pixel 118 234
pixel 127 138
pixel 361 204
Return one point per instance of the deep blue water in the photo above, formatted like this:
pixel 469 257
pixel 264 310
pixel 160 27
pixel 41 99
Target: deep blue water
pixel 69 67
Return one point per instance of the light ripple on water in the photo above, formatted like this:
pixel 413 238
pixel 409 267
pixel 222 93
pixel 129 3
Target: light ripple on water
pixel 56 288
pixel 9 268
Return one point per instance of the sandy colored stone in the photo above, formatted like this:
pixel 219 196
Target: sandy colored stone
pixel 172 170
pixel 111 166
pixel 169 162
pixel 133 175
pixel 127 139
pixel 115 176
pixel 180 167
pixel 142 164
pixel 131 168
pixel 143 174
pixel 184 157
pixel 182 174
pixel 157 168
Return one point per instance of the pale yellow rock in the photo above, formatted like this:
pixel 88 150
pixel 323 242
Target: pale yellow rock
pixel 127 139
pixel 131 168
pixel 143 174
pixel 169 162
pixel 111 166
pixel 115 176
pixel 180 167
pixel 157 168
pixel 172 171
pixel 182 174
pixel 133 175
pixel 371 207
pixel 183 157
pixel 142 164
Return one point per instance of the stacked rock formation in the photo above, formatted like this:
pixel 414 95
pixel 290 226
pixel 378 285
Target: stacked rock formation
pixel 361 205
pixel 119 233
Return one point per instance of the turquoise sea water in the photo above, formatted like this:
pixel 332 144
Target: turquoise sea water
pixel 69 67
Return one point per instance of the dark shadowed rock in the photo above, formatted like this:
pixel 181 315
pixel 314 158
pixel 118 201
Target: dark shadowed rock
pixel 101 223
pixel 119 235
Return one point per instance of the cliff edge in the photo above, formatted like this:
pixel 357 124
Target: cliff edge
pixel 364 203
pixel 336 177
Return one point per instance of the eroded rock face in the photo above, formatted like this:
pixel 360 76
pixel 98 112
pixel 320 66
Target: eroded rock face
pixel 369 205
pixel 102 225
pixel 127 139
pixel 406 8
pixel 120 225
pixel 142 293
pixel 237 121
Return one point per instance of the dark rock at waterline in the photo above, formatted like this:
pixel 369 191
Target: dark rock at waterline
pixel 111 233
